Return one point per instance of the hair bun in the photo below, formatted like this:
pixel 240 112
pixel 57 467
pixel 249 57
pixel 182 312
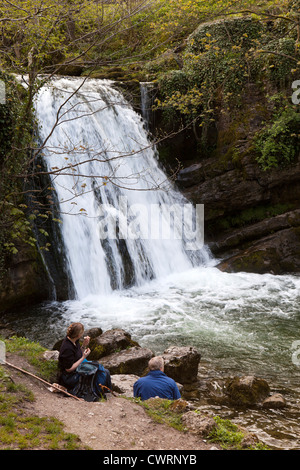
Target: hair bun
pixel 75 329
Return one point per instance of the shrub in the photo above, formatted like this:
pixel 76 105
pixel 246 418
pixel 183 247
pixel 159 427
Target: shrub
pixel 279 144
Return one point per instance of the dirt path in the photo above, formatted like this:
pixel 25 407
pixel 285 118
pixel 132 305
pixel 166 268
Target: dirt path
pixel 114 424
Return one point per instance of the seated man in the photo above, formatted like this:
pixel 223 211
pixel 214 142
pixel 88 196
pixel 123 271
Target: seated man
pixel 156 383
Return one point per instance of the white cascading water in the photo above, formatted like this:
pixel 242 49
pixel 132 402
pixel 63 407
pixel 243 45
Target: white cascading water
pixel 104 165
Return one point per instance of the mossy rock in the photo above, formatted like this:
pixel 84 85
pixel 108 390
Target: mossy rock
pixel 247 391
pixel 225 32
pixel 133 360
pixel 109 342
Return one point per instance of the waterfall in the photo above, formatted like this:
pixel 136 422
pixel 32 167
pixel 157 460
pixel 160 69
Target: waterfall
pixel 146 102
pixel 123 221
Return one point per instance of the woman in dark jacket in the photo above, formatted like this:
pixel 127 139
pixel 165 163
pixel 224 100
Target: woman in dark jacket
pixel 71 355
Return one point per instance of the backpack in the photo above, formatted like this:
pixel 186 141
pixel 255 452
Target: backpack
pixel 86 386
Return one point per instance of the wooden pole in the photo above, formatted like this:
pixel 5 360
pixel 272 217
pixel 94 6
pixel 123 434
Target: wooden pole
pixel 44 381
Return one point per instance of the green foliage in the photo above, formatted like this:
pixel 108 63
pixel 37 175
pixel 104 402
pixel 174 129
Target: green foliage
pixel 174 20
pixel 278 144
pixel 230 437
pixel 226 434
pixel 43 33
pixel 15 138
pixel 16 147
pixel 33 352
pixel 279 63
pixel 23 432
pixel 223 57
pixel 238 32
pixel 161 411
pixel 219 61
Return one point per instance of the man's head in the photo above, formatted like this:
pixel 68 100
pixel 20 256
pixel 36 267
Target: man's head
pixel 156 363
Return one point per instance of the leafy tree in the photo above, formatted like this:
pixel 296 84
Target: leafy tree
pixel 38 40
pixel 258 44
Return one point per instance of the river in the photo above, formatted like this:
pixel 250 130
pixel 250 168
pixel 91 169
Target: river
pixel 241 324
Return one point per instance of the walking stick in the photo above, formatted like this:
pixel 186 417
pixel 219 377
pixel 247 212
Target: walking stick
pixel 44 381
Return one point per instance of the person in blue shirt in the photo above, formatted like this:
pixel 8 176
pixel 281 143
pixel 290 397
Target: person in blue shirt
pixel 156 383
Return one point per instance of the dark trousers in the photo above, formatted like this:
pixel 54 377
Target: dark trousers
pixel 69 380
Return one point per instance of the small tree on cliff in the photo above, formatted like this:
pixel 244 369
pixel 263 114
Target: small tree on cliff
pixel 37 41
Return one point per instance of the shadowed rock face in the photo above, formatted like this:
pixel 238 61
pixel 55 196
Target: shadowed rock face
pixel 241 221
pixel 252 216
pixel 25 281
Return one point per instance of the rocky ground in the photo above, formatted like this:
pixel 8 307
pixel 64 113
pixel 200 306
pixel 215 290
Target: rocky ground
pixel 114 424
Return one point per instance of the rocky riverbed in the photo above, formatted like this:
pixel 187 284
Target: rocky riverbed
pixel 127 361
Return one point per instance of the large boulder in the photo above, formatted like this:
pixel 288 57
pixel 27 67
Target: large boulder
pixel 181 363
pixel 198 424
pixel 108 342
pixel 129 361
pixel 247 390
pixel 123 384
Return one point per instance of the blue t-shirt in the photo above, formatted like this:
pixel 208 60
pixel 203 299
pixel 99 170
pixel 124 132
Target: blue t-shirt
pixel 156 384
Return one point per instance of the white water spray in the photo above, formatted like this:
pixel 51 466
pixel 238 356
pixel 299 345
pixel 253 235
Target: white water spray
pixel 108 183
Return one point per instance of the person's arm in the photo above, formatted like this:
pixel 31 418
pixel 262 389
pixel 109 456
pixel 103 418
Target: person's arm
pixel 176 392
pixel 136 392
pixel 85 353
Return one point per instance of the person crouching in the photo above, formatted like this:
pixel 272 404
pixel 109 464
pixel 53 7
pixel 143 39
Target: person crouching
pixel 156 383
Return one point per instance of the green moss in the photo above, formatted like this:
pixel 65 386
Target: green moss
pixel 249 216
pixel 33 352
pixel 226 434
pixel 161 411
pixel 97 350
pixel 231 437
pixel 23 432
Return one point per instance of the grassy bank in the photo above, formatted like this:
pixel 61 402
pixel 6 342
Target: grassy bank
pixel 22 431
pixel 19 429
